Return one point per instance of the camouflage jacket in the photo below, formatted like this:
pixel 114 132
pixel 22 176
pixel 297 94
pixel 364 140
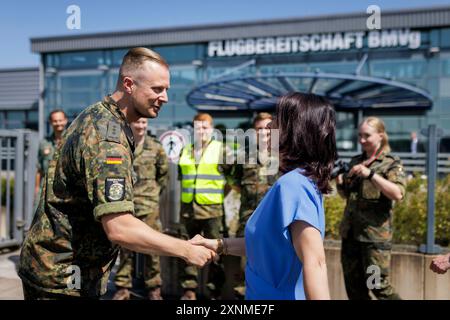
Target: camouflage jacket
pixel 45 153
pixel 151 168
pixel 368 213
pixel 89 177
pixel 254 181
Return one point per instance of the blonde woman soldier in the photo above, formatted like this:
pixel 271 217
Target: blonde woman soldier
pixel 375 181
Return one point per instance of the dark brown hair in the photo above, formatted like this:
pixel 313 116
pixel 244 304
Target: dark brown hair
pixel 56 111
pixel 306 124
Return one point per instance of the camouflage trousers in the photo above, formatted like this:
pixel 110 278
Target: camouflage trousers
pixel 152 271
pixel 188 275
pixel 239 287
pixel 366 267
pixel 32 293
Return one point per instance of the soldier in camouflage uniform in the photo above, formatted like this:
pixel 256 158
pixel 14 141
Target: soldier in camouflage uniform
pixel 58 121
pixel 151 169
pixel 86 208
pixel 205 219
pixel 252 182
pixel 376 179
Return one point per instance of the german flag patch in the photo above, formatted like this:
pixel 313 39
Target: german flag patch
pixel 114 160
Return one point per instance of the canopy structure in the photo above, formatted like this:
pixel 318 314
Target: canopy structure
pixel 347 92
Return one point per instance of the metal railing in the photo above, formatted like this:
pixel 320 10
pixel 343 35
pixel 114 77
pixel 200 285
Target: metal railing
pixel 412 162
pixel 18 158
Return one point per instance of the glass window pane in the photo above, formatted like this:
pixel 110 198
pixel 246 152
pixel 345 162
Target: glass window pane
pixel 179 53
pixel 78 92
pixel 81 59
pixel 117 56
pixel 15 119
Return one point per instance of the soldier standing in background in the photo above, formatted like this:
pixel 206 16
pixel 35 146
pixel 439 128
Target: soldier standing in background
pixel 376 179
pixel 252 182
pixel 58 121
pixel 151 168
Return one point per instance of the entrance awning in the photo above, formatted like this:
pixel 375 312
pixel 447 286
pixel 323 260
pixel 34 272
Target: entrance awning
pixel 347 92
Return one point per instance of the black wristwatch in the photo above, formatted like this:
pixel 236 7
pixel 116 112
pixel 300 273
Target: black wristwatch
pixel 370 176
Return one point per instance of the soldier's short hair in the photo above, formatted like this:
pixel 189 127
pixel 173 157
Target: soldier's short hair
pixel 135 58
pixel 262 116
pixel 56 111
pixel 202 116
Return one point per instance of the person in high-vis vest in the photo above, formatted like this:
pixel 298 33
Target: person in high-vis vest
pixel 204 175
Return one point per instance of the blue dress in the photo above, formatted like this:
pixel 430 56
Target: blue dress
pixel 273 270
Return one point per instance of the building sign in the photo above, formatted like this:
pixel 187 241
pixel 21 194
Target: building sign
pixel 315 42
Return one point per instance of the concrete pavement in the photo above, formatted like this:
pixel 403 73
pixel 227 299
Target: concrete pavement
pixel 10 284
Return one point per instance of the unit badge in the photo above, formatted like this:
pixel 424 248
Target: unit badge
pixel 115 189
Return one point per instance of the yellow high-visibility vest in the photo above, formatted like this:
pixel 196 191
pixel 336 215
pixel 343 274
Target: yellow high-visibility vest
pixel 204 180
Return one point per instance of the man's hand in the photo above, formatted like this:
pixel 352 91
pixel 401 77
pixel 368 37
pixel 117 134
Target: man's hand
pixel 211 244
pixel 440 264
pixel 199 256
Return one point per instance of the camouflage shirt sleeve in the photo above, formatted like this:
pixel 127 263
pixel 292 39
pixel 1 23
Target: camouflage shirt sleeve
pixel 396 174
pixel 162 166
pixel 228 168
pixel 109 168
pixel 41 156
pixel 238 174
pixel 39 159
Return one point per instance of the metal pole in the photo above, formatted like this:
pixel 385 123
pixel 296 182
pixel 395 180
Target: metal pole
pixel 18 188
pixel 31 146
pixel 431 169
pixel 360 116
pixel 41 98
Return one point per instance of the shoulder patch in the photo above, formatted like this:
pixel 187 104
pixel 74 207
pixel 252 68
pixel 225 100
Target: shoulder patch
pixel 113 132
pixel 115 189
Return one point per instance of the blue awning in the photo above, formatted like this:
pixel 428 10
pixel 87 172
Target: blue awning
pixel 347 92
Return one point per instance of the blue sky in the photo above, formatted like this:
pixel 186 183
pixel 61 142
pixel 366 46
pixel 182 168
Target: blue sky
pixel 20 20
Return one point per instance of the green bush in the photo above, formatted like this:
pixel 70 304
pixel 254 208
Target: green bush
pixel 11 193
pixel 410 215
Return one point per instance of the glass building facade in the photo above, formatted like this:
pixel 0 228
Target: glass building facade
pixel 75 79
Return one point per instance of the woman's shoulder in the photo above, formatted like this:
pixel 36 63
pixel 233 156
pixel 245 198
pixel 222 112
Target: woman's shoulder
pixel 391 158
pixel 294 180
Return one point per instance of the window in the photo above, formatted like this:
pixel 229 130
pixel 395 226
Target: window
pixel 180 53
pixel 79 91
pixel 15 119
pixel 398 69
pixel 85 59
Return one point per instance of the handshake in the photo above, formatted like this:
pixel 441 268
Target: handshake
pixel 201 251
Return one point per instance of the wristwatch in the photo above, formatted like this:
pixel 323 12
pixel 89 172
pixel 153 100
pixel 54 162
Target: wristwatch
pixel 370 176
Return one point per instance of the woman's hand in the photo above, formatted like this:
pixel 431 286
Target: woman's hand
pixel 340 179
pixel 211 244
pixel 359 170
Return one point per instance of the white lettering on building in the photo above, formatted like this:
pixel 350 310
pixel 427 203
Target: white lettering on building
pixel 315 43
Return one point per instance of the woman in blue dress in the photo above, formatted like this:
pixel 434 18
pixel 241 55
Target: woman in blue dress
pixel 284 236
